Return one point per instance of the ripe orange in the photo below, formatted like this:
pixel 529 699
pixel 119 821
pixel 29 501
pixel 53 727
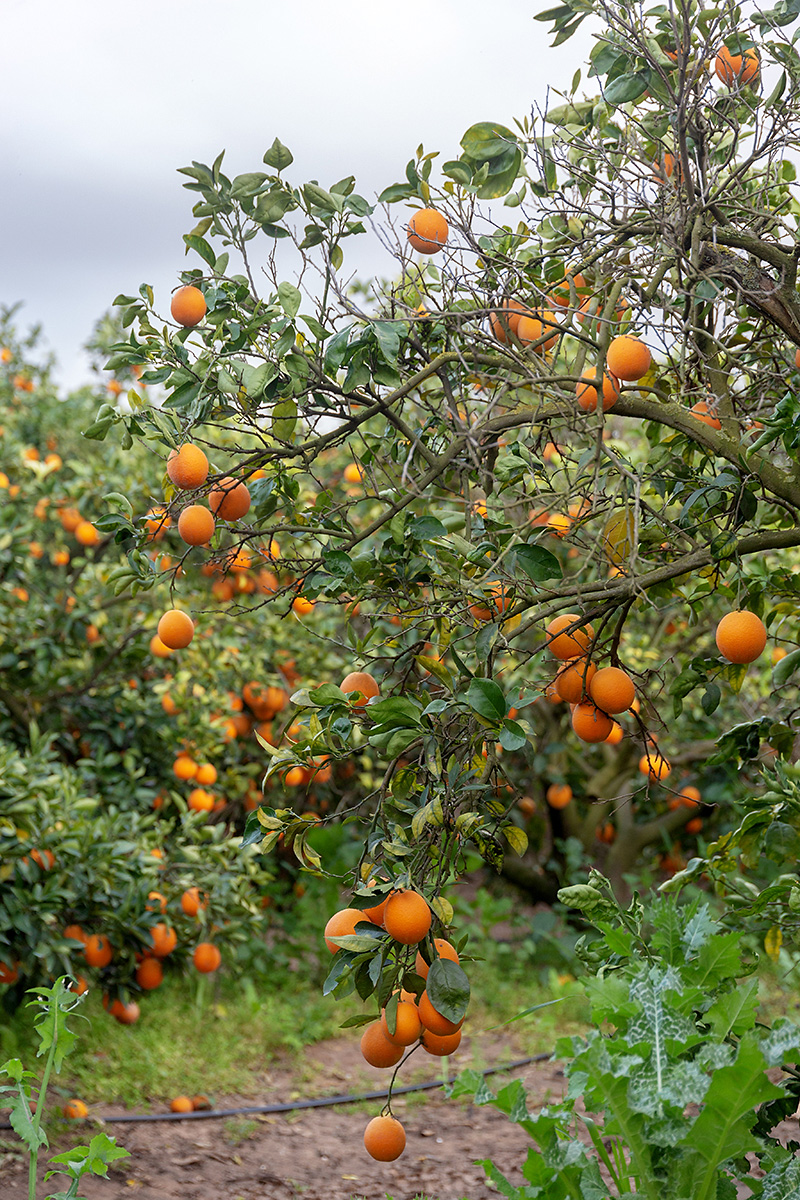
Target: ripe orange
pixel 188 306
pixel 184 767
pixel 192 901
pixel 433 1020
pixel 587 392
pixel 558 795
pixel 427 231
pixel 341 924
pixel 149 974
pixel 353 473
pixel 628 358
pixel 441 1046
pixel 196 525
pixel 86 534
pixel 408 1028
pixel 79 986
pixel 705 413
pixel 568 645
pixel 206 958
pixel 164 938
pixel 8 973
pixel 302 606
pixel 532 328
pixel 612 690
pixel 75 931
pixel 176 629
pixel 377 1049
pixel 506 318
pixel 616 735
pixel 75 1110
pixel 126 1014
pixel 229 499
pixel 573 679
pixel 443 950
pixel 199 800
pixel 377 913
pixel 736 68
pixel 156 902
pixel 98 951
pixel 695 825
pixel 741 636
pixel 181 1104
pixel 44 859
pixel 654 765
pixel 690 796
pixel 187 467
pixel 590 724
pixel 360 681
pixel 407 917
pixel 157 647
pixel 560 293
pixel 384 1139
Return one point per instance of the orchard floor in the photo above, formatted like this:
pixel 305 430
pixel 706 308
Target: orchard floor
pixel 316 1154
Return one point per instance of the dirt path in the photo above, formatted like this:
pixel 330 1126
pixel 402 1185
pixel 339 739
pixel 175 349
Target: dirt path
pixel 316 1154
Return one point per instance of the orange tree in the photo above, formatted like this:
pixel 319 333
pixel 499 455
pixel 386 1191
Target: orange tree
pixel 570 438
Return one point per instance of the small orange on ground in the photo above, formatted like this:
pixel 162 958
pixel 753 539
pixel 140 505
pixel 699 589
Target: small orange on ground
pixel 377 1049
pixel 98 951
pixel 654 765
pixel 736 68
pixel 187 467
pixel 196 525
pixel 360 681
pixel 612 690
pixel 573 644
pixel 587 392
pixel 427 231
pixel 441 1046
pixel 407 917
pixel 164 938
pixel 572 680
pixel 590 724
pixel 384 1139
pixel 433 1020
pixel 706 414
pixel 444 949
pixel 181 1104
pixel 558 795
pixel 408 1027
pixel 741 636
pixel 188 306
pixel 75 1110
pixel 229 499
pixel 628 358
pixel 206 958
pixel 341 924
pixel 176 629
pixel 149 974
pixel 184 767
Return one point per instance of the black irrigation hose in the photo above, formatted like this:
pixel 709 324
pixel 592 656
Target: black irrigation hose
pixel 323 1102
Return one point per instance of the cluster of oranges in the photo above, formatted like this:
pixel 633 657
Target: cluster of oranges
pixel 409 1019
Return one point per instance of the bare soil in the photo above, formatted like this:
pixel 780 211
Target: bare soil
pixel 316 1154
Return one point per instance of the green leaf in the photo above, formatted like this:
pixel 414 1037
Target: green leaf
pixel 247 184
pixel 201 247
pixel 426 528
pixel 487 140
pixel 317 197
pixel 278 156
pixel 512 736
pixel 625 88
pixel 538 564
pixel 711 698
pixel 486 699
pixel 290 298
pixel 397 191
pixel 447 986
pixel 397 710
pixel 284 420
pixel 784 669
pixel 734 1012
pixel 459 170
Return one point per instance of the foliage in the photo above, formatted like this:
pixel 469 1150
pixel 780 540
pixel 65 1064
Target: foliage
pixel 674 1078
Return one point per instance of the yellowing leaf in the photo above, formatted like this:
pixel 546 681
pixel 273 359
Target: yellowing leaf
pixel 773 942
pixel 443 909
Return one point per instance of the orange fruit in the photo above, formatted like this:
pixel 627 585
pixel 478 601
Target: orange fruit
pixel 86 533
pixel 427 231
pixel 705 413
pixel 98 951
pixel 532 328
pixel 126 1014
pixel 8 973
pixel 229 499
pixel 441 1046
pixel 568 645
pixel 44 859
pixel 149 974
pixel 433 1020
pixel 616 735
pixel 188 306
pixel 590 724
pixel 341 924
pixel 196 525
pixel 407 917
pixel 628 358
pixel 302 606
pixel 560 293
pixel 360 681
pixel 573 679
pixel 353 473
pixel 558 795
pixel 506 318
pixel 75 931
pixel 612 690
pixel 689 796
pixel 157 647
pixel 156 902
pixel 164 938
pixel 79 986
pixel 187 467
pixel 181 1104
pixel 654 765
pixel 736 68
pixel 587 392
pixel 199 800
pixel 176 629
pixel 384 1139
pixel 408 1028
pixel 377 1049
pixel 75 1110
pixel 184 767
pixel 192 901
pixel 741 636
pixel 206 958
pixel 376 914
pixel 444 949
pixel 695 825
pixel 206 773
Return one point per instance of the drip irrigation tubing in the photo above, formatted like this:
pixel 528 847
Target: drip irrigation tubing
pixel 294 1105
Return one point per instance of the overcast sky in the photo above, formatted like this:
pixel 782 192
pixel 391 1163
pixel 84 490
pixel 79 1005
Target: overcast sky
pixel 103 102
